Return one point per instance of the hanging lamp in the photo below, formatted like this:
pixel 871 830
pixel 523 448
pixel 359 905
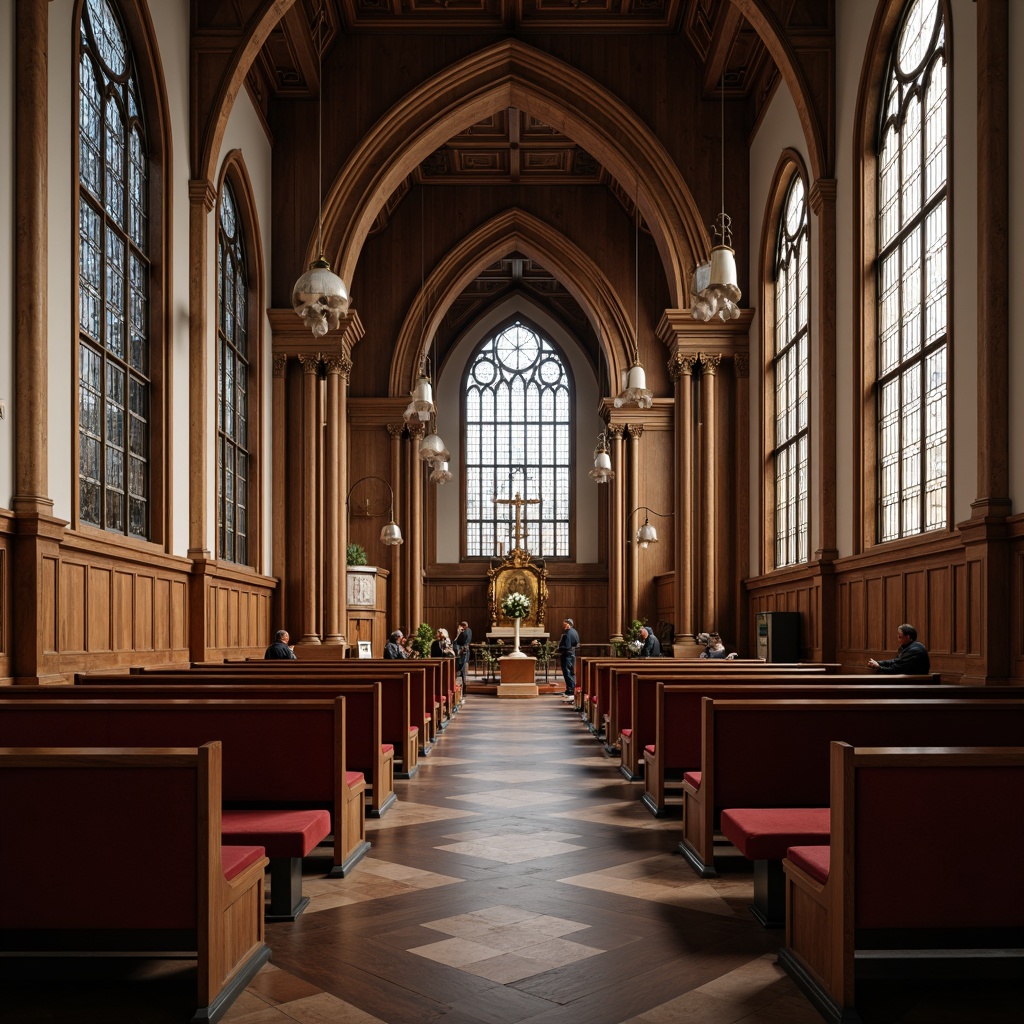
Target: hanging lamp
pixel 319 296
pixel 602 471
pixel 634 380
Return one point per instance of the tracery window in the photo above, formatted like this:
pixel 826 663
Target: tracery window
pixel 912 274
pixel 233 460
pixel 519 439
pixel 790 376
pixel 114 392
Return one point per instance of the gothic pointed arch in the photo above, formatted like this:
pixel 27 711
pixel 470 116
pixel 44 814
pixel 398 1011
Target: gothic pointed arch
pixel 513 229
pixel 510 73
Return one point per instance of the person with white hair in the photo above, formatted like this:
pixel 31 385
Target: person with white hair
pixel 713 646
pixel 393 648
pixel 442 645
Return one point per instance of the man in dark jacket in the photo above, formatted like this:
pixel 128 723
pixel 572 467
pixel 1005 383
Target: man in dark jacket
pixel 393 648
pixel 463 639
pixel 567 649
pixel 650 645
pixel 280 648
pixel 911 658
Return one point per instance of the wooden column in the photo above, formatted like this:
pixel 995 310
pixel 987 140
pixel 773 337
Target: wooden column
pixel 741 489
pixel 635 432
pixel 681 371
pixel 617 545
pixel 395 618
pixel 709 455
pixel 277 485
pixel 335 520
pixel 985 534
pixel 416 434
pixel 310 538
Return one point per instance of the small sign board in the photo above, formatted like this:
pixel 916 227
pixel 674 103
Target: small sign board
pixel 365 648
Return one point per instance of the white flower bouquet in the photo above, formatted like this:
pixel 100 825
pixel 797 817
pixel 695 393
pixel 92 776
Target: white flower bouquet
pixel 516 605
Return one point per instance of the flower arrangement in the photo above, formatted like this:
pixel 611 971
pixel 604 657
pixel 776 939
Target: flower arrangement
pixel 516 605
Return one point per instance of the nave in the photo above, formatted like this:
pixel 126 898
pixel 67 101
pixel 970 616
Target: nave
pixel 518 878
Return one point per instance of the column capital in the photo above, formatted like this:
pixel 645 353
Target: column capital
pixel 417 431
pixel 741 363
pixel 823 190
pixel 635 431
pixel 310 362
pixel 280 364
pixel 710 362
pixel 338 364
pixel 395 431
pixel 681 364
pixel 202 193
pixel 615 431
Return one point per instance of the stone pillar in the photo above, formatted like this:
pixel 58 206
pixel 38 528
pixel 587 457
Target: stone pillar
pixel 395 432
pixel 635 432
pixel 709 452
pixel 310 537
pixel 415 587
pixel 617 547
pixel 681 370
pixel 335 520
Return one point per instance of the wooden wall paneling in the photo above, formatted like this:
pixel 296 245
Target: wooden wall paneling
pixel 960 604
pixel 143 612
pixel 939 606
pixel 975 609
pixel 49 575
pixel 75 602
pixel 5 601
pixel 177 615
pixel 161 614
pixel 875 632
pixel 121 613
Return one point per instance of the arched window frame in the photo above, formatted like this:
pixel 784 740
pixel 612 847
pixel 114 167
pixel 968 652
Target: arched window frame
pixel 145 429
pixel 791 379
pixel 556 517
pixel 234 178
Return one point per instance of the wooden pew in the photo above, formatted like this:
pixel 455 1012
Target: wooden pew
pixel 277 753
pixel 365 749
pixel 763 753
pixel 870 892
pixel 136 864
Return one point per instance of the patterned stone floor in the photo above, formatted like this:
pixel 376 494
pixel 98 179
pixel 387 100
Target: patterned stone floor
pixel 517 879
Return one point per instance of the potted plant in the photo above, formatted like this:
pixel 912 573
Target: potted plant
pixel 421 640
pixel 356 554
pixel 630 644
pixel 516 606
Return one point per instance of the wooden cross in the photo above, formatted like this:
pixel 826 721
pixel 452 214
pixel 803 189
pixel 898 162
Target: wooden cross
pixel 519 501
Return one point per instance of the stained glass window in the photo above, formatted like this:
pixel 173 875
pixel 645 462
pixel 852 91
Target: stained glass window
pixel 232 385
pixel 113 272
pixel 789 371
pixel 519 440
pixel 912 274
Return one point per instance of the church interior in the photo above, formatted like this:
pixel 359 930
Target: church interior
pixel 348 318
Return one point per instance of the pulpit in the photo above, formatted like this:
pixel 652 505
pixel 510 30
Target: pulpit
pixel 366 598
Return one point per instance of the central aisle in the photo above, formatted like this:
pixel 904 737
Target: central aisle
pixel 519 878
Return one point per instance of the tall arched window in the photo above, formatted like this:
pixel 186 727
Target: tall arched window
pixel 232 384
pixel 789 372
pixel 912 272
pixel 114 392
pixel 518 441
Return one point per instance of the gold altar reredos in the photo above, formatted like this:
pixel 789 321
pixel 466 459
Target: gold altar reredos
pixel 518 572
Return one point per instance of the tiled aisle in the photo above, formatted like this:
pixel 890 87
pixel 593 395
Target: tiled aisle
pixel 518 878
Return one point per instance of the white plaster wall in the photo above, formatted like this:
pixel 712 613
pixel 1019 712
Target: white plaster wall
pixel 1016 257
pixel 245 132
pixel 587 421
pixel 7 246
pixel 171 24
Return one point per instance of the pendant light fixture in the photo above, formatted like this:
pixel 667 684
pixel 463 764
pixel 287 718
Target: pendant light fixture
pixel 602 471
pixel 319 296
pixel 715 291
pixel 421 408
pixel 634 380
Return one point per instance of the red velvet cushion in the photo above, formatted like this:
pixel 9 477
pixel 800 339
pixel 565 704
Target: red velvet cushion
pixel 353 778
pixel 386 748
pixel 649 748
pixel 282 833
pixel 235 859
pixel 693 778
pixel 627 732
pixel 815 860
pixel 413 731
pixel 765 833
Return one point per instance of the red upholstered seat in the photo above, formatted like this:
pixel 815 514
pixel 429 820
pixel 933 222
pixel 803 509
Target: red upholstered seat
pixel 627 732
pixel 353 778
pixel 766 833
pixel 282 833
pixel 386 748
pixel 235 859
pixel 649 748
pixel 815 860
pixel 693 778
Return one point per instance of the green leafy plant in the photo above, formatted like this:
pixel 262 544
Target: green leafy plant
pixel 421 640
pixel 355 554
pixel 543 650
pixel 516 605
pixel 630 643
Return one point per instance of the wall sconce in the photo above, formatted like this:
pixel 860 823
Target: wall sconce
pixel 390 535
pixel 647 534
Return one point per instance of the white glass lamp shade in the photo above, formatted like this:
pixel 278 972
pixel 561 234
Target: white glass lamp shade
pixel 647 534
pixel 602 471
pixel 634 390
pixel 440 474
pixel 320 298
pixel 391 535
pixel 716 292
pixel 432 449
pixel 422 405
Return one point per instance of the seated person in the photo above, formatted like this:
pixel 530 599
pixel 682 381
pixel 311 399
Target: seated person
pixel 281 647
pixel 713 646
pixel 911 658
pixel 650 645
pixel 442 645
pixel 394 648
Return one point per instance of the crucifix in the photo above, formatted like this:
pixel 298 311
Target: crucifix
pixel 519 501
